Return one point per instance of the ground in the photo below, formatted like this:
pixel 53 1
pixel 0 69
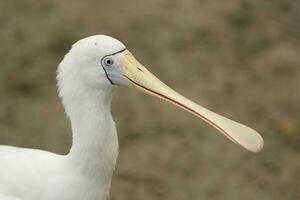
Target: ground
pixel 239 58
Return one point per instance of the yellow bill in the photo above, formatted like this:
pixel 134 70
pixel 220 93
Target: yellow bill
pixel 144 80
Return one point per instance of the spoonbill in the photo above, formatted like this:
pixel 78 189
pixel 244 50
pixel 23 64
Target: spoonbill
pixel 86 78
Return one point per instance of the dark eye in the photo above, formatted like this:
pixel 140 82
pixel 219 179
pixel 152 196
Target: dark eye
pixel 108 61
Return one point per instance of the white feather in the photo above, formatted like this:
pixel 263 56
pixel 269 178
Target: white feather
pixel 84 173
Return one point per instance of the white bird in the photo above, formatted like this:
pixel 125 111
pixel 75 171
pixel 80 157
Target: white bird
pixel 86 78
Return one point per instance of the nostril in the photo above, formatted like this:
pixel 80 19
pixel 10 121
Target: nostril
pixel 140 69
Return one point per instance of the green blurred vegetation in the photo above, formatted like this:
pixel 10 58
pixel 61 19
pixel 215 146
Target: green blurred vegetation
pixel 239 58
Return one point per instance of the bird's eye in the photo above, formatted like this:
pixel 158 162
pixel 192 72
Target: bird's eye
pixel 108 62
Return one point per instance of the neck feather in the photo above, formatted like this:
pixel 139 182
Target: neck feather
pixel 94 148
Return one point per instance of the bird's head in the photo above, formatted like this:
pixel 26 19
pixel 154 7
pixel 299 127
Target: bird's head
pixel 101 62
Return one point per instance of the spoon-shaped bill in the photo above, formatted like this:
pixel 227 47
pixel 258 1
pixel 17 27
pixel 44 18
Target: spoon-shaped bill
pixel 144 80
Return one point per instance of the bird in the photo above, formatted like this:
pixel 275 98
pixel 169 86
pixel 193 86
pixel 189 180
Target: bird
pixel 86 79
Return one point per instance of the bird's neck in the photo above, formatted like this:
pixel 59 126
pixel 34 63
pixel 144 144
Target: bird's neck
pixel 94 148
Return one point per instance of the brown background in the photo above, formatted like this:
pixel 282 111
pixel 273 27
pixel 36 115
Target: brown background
pixel 239 58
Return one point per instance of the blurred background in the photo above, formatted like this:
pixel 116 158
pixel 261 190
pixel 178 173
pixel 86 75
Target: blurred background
pixel 239 58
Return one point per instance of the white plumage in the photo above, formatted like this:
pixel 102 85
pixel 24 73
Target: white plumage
pixel 86 78
pixel 85 173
